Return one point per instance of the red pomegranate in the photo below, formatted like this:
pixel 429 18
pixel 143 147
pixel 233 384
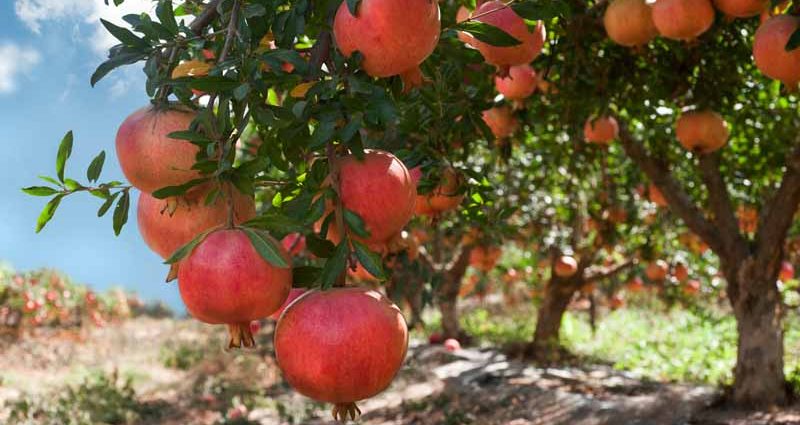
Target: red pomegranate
pixel 656 196
pixel 166 225
pixel 691 287
pixel 565 266
pixel 294 243
pixel 497 14
pixel 149 158
pixel 616 302
pixel 380 190
pixel 452 345
pixel 787 272
pixel 225 280
pixel 741 8
pixel 520 83
pixel 769 50
pixel 681 272
pixel 444 197
pixel 701 131
pixel 657 270
pixel 435 338
pixel 501 121
pixel 484 258
pixel 341 346
pixel 683 19
pixel 601 130
pixel 636 284
pixel 394 36
pixel 630 22
pixel 294 294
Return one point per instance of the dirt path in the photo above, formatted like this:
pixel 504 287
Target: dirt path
pixel 471 386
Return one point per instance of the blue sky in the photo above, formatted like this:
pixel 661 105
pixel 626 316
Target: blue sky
pixel 48 50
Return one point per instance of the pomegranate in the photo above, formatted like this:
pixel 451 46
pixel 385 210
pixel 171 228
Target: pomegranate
pixel 630 22
pixel 701 131
pixel 769 50
pixel 435 338
pixel 565 266
pixel 616 302
pixel 497 14
pixel 787 272
pixel 636 284
pixel 741 8
pixel 657 270
pixel 166 225
pixel 501 121
pixel 294 243
pixel 520 83
pixel 748 218
pixel 683 19
pixel 294 294
pixel 380 190
pixel 225 280
pixel 149 158
pixel 394 36
pixel 601 130
pixel 445 197
pixel 681 272
pixel 656 196
pixel 341 346
pixel 452 345
pixel 691 287
pixel 484 258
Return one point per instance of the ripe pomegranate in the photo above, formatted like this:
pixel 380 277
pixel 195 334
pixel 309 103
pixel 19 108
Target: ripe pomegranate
pixel 294 294
pixel 565 266
pixel 497 14
pixel 769 50
pixel 601 130
pixel 636 284
pixel 452 345
pixel 656 196
pixel 435 338
pixel 741 8
pixel 484 258
pixel 394 36
pixel 501 121
pixel 683 19
pixel 657 270
pixel 748 218
pixel 520 83
pixel 445 197
pixel 787 272
pixel 148 157
pixel 691 287
pixel 166 225
pixel 701 131
pixel 630 22
pixel 380 190
pixel 341 346
pixel 225 280
pixel 616 302
pixel 681 272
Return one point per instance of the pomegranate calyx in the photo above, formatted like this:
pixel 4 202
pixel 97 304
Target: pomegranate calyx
pixel 341 412
pixel 240 336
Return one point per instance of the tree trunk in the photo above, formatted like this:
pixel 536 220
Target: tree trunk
pixel 448 294
pixel 557 297
pixel 758 377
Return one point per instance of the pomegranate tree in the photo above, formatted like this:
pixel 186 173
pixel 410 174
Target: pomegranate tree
pixel 395 36
pixel 497 14
pixel 702 131
pixel 225 280
pixel 629 22
pixel 769 50
pixel 683 19
pixel 151 159
pixel 601 130
pixel 341 346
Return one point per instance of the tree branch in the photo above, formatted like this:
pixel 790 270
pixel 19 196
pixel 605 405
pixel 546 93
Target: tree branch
pixel 679 202
pixel 720 204
pixel 204 19
pixel 778 214
pixel 607 273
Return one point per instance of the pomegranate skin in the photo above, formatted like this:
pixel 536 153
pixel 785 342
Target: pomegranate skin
pixel 769 50
pixel 602 130
pixel 501 121
pixel 395 36
pixel 741 8
pixel 225 280
pixel 149 159
pixel 630 22
pixel 462 15
pixel 520 83
pixel 702 131
pixel 164 233
pixel 566 266
pixel 380 190
pixel 443 198
pixel 342 345
pixel 294 294
pixel 683 19
pixel 496 13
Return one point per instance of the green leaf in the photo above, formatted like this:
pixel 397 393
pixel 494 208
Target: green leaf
pixel 488 33
pixel 322 248
pixel 64 151
pixel 169 191
pixel 187 249
pixel 50 180
pixel 267 248
pixel 72 184
pixel 352 6
pixel 794 41
pixel 355 223
pixel 254 11
pixel 96 167
pixel 335 265
pixel 191 136
pixel 213 84
pixel 124 35
pixel 47 212
pixel 121 212
pixel 370 260
pixel 541 10
pixel 40 190
pixel 305 275
pixel 107 204
pixel 166 15
pixel 275 222
pixel 323 133
pixel 241 92
pixel 117 60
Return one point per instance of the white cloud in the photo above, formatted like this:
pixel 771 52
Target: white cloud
pixel 16 61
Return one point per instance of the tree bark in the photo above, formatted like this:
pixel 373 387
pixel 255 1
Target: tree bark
pixel 448 294
pixel 558 294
